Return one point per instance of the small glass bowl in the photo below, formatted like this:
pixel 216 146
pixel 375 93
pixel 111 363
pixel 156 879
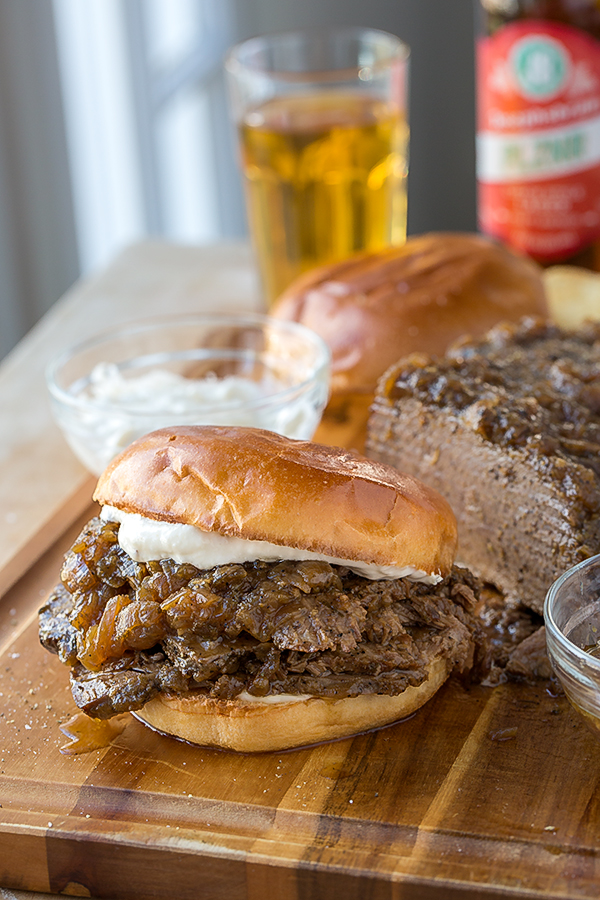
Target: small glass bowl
pixel 184 370
pixel 572 618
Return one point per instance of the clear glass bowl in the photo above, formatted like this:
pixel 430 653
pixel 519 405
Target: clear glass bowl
pixel 572 618
pixel 197 369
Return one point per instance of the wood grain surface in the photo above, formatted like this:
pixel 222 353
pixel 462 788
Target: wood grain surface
pixel 485 793
pixel 490 793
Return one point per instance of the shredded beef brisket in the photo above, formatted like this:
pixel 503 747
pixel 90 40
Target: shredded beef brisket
pixel 129 630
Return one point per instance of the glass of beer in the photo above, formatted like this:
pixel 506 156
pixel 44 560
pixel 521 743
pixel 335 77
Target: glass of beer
pixel 323 129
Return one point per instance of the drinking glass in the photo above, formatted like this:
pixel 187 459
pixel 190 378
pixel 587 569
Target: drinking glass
pixel 323 133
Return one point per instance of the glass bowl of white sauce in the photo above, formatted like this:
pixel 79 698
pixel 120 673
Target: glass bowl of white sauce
pixel 188 370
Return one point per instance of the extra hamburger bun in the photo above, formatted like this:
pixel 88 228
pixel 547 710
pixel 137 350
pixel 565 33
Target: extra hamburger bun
pixel 376 308
pixel 257 485
pixel 260 486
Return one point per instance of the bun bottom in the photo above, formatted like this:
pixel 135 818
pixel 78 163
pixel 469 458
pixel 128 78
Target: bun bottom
pixel 255 727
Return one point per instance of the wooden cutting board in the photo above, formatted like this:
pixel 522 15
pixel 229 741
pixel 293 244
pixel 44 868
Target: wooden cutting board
pixel 484 793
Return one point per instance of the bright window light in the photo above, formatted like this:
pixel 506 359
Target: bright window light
pixel 142 87
pixel 100 128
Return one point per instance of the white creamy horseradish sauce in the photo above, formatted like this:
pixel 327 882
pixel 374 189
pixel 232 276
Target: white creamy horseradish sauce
pixel 145 539
pixel 125 408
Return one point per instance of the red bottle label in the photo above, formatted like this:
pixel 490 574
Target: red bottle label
pixel 538 138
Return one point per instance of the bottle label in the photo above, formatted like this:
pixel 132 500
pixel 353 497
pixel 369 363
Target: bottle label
pixel 538 138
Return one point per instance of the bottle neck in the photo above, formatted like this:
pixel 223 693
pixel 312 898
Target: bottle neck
pixel 582 14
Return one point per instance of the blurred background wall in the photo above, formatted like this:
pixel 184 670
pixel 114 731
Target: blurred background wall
pixel 114 127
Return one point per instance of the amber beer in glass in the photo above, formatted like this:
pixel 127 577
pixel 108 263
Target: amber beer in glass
pixel 323 133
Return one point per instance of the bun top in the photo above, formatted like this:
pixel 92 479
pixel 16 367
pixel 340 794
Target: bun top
pixel 375 308
pixel 257 485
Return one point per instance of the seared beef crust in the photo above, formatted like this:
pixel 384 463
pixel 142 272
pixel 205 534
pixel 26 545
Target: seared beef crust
pixel 129 630
pixel 507 428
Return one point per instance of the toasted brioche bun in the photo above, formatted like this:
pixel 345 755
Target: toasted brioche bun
pixel 375 308
pixel 255 727
pixel 257 485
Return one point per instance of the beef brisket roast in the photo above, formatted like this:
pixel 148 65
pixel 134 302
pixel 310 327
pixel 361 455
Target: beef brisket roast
pixel 508 430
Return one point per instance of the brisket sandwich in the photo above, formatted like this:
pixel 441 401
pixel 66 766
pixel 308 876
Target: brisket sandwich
pixel 244 590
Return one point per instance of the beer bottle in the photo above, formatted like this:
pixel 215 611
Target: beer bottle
pixel 538 127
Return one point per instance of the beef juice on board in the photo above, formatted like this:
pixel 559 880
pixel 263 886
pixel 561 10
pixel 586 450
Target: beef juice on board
pixel 538 127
